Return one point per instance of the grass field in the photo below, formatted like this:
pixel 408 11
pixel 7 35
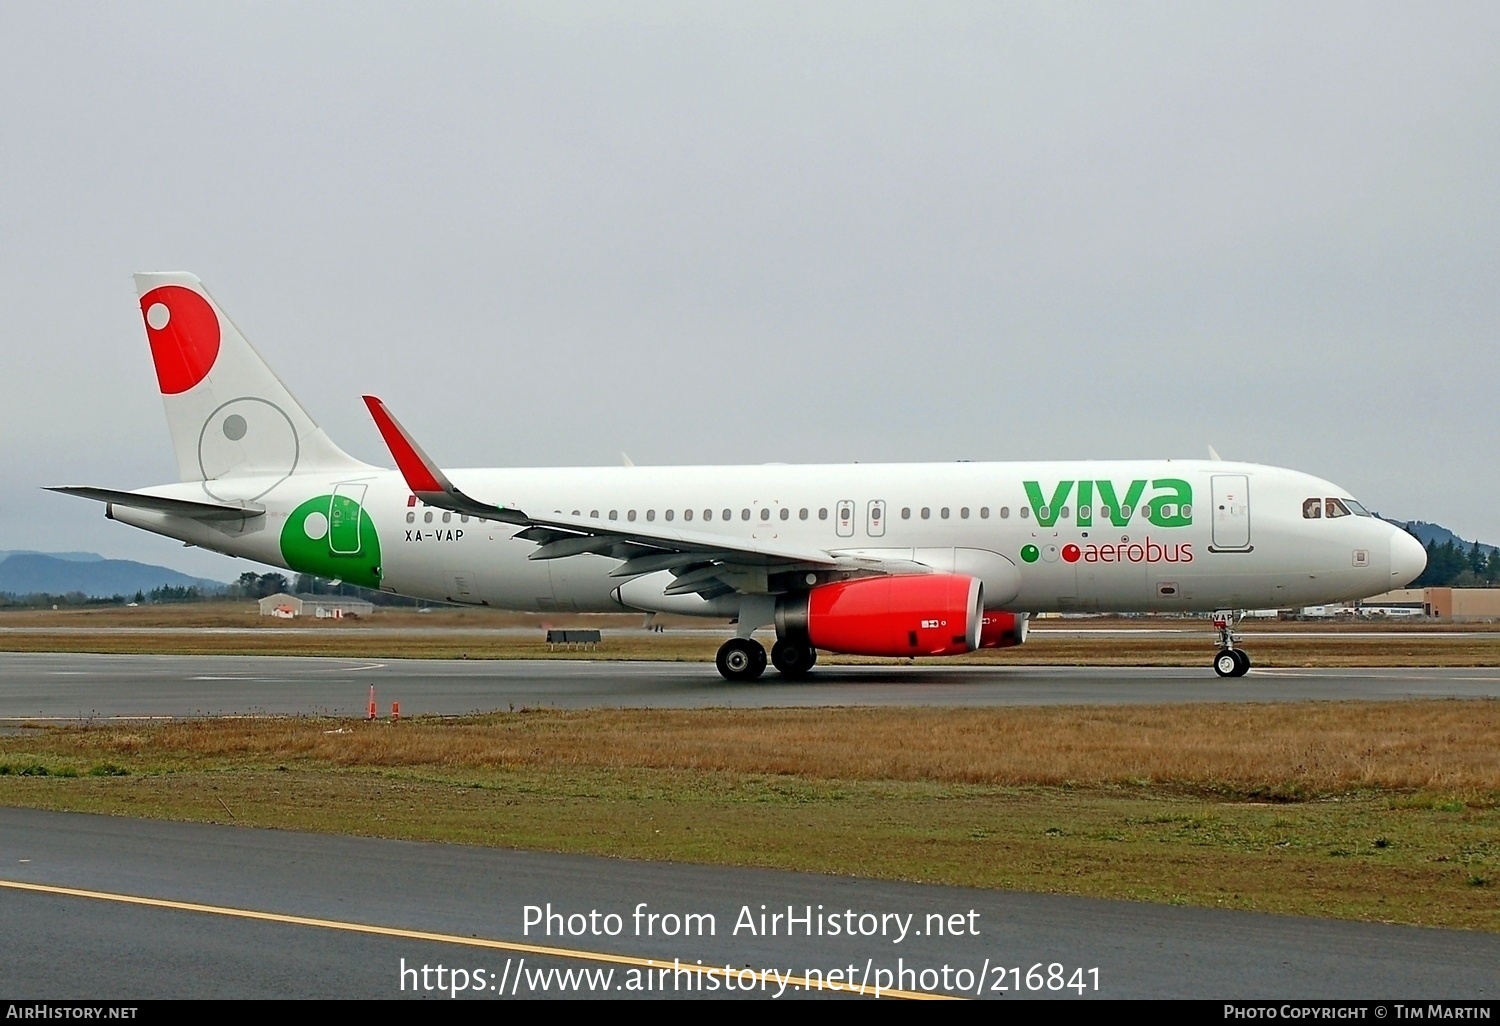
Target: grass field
pixel 1380 811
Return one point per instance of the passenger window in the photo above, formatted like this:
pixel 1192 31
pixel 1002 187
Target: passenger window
pixel 1165 509
pixel 427 517
pixel 926 513
pixel 667 515
pixel 1025 512
pixel 1004 512
pixel 802 513
pixel 1044 512
pixel 465 518
pixel 614 514
pixel 905 512
pixel 1104 513
pixel 786 513
pixel 765 513
pixel 745 514
pixel 448 518
pixel 687 514
pixel 594 514
pixel 1337 509
pixel 1186 511
pixel 943 513
pixel 630 516
pixel 1146 512
pixel 1084 512
pixel 823 513
pixel 729 514
pixel 411 518
pixel 1312 509
pixel 650 514
pixel 964 513
pixel 984 512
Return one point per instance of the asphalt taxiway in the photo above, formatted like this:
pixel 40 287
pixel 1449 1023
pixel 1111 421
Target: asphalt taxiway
pixel 102 907
pixel 52 686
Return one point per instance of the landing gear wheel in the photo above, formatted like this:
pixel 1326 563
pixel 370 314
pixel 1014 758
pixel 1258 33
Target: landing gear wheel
pixel 1231 661
pixel 741 659
pixel 793 660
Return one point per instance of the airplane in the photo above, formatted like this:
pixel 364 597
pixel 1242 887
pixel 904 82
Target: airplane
pixel 903 560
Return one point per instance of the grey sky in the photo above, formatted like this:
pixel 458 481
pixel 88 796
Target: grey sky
pixel 755 232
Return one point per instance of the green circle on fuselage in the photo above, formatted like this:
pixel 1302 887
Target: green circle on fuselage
pixel 332 536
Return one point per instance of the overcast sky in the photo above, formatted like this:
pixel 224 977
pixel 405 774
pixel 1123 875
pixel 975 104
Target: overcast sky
pixel 796 232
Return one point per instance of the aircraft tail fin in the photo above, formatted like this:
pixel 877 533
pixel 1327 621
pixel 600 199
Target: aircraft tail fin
pixel 230 416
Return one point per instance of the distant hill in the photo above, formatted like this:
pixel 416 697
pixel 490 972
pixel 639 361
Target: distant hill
pixel 73 557
pixel 32 573
pixel 1439 535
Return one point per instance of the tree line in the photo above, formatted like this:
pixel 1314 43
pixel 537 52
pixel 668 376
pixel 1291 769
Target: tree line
pixel 1449 566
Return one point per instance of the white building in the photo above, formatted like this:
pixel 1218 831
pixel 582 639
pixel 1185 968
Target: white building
pixel 318 606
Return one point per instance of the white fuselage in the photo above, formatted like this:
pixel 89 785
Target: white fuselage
pixel 1129 536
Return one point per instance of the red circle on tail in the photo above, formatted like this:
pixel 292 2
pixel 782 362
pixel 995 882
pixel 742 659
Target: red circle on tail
pixel 184 336
pixel 1071 553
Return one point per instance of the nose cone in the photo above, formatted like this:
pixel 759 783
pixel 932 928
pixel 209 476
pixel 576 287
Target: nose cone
pixel 1408 559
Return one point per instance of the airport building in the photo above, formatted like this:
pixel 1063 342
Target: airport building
pixel 1462 605
pixel 319 607
pixel 1458 605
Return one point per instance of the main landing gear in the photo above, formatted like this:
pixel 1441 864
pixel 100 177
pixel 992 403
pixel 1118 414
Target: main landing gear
pixel 744 659
pixel 741 659
pixel 793 660
pixel 1231 661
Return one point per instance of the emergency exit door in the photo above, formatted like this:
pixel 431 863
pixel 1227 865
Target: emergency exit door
pixel 345 510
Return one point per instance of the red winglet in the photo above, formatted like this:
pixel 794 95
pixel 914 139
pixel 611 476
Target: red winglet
pixel 422 475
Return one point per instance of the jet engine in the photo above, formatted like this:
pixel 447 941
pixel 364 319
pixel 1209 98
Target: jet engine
pixel 1002 630
pixel 907 615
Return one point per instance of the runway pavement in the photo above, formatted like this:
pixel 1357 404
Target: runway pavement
pixel 317 899
pixel 49 686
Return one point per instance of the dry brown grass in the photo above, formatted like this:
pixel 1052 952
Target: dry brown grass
pixel 1379 811
pixel 1292 750
pixel 246 614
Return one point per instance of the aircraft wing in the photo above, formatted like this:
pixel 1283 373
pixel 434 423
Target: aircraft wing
pixel 162 504
pixel 703 563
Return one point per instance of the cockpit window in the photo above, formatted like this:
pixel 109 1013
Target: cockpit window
pixel 1312 509
pixel 1336 508
pixel 1358 510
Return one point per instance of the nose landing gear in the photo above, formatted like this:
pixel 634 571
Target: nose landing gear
pixel 1230 661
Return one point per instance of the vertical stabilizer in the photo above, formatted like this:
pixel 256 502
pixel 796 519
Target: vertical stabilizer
pixel 234 425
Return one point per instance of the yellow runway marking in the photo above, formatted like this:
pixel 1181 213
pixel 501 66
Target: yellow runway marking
pixel 447 938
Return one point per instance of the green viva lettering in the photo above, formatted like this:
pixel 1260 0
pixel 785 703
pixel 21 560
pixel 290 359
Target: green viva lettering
pixel 333 536
pixel 1170 503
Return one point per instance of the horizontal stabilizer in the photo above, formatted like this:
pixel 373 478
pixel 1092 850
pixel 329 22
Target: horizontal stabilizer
pixel 161 504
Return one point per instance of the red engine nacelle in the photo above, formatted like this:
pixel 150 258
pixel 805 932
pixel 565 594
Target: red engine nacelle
pixel 925 614
pixel 1002 630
